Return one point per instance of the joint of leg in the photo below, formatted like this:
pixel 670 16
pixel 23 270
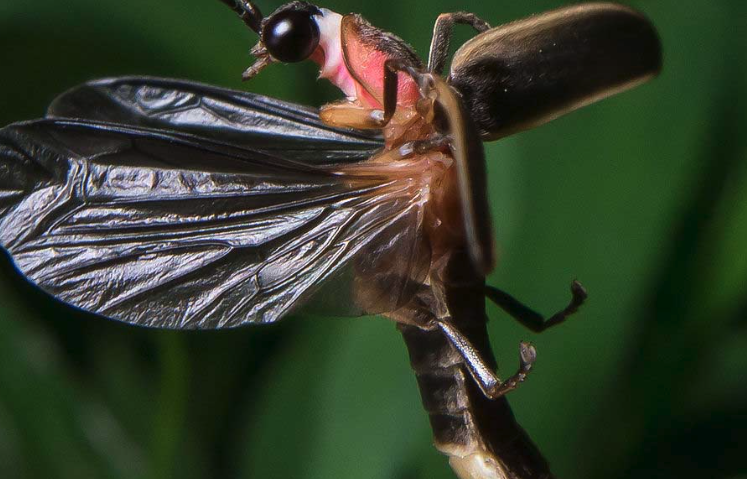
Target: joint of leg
pixel 527 357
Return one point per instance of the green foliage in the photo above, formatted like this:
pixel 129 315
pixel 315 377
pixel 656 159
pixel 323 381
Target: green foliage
pixel 641 197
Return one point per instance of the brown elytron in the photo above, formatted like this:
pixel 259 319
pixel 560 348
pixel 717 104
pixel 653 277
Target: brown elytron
pixel 170 204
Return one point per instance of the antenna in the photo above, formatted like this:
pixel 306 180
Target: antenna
pixel 247 11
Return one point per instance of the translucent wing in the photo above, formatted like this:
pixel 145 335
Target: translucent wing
pixel 170 229
pixel 245 119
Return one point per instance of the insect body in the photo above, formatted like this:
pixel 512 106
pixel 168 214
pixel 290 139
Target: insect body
pixel 170 204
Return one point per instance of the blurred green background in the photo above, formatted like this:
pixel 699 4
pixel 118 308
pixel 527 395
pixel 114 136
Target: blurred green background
pixel 642 197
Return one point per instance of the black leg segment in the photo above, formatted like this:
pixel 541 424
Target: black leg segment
pixel 442 36
pixel 530 318
pixel 391 82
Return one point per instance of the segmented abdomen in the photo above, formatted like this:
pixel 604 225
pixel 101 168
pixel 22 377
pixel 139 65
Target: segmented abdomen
pixel 480 435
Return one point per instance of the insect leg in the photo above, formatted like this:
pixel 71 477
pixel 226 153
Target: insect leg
pixel 486 378
pixel 442 36
pixel 391 82
pixel 531 319
pixel 349 115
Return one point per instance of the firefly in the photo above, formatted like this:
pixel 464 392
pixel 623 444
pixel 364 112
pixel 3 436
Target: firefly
pixel 171 204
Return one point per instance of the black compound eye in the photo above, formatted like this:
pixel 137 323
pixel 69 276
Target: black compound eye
pixel 291 36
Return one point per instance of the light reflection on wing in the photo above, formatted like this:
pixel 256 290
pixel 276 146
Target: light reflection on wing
pixel 254 121
pixel 174 230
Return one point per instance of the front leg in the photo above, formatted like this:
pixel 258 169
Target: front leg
pixel 442 36
pixel 351 115
pixel 346 114
pixel 489 382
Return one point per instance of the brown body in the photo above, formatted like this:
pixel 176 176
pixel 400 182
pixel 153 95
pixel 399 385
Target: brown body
pixel 479 434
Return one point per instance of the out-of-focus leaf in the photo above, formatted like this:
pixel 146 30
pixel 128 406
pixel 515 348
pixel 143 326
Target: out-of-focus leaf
pixel 59 431
pixel 680 451
pixel 727 255
pixel 169 420
pixel 682 331
pixel 341 411
pixel 11 459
